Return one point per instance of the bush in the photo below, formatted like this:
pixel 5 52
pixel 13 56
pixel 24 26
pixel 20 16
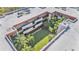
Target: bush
pixel 20 42
pixel 50 29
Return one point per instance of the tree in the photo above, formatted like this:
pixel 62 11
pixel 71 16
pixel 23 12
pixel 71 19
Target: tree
pixel 2 10
pixel 30 39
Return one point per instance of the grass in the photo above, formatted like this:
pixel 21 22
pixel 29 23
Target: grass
pixel 43 42
pixel 7 9
pixel 39 35
pixel 39 38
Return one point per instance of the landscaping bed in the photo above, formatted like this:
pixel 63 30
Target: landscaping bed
pixel 43 42
pixel 36 40
pixel 32 41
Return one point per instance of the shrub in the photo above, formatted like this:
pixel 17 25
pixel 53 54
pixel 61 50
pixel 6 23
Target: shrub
pixel 50 29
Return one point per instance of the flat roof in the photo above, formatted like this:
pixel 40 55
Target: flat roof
pixel 33 13
pixel 38 11
pixel 12 20
pixel 68 41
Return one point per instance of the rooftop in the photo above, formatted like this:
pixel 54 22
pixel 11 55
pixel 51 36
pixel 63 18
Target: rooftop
pixel 60 44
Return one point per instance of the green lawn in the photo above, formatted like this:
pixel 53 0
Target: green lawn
pixel 43 42
pixel 38 39
pixel 39 35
